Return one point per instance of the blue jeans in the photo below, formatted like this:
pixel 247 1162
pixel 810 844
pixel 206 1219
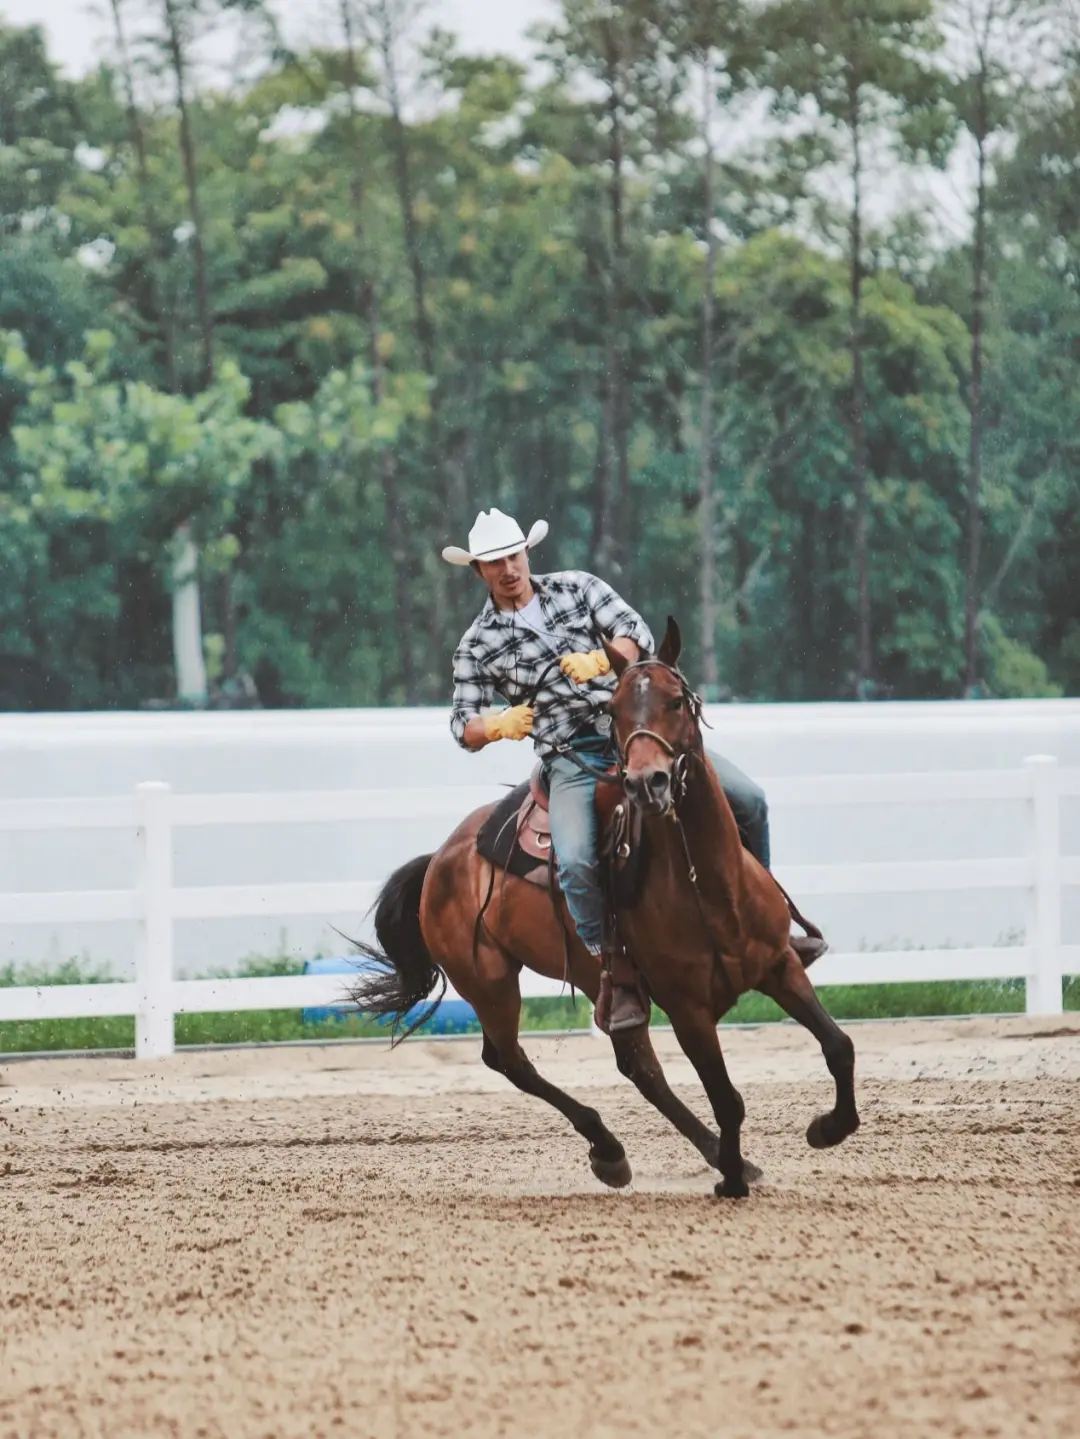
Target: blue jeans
pixel 572 793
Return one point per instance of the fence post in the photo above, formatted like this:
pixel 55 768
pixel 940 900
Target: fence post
pixel 154 956
pixel 1044 994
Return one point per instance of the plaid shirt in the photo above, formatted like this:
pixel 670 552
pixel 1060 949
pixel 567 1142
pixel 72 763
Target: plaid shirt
pixel 498 654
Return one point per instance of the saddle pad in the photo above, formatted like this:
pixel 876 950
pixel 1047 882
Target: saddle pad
pixel 496 837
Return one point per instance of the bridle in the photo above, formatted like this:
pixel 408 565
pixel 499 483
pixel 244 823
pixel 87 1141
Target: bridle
pixel 679 769
pixel 681 758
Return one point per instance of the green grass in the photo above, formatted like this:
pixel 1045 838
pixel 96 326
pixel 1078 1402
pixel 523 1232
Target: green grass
pixel 863 1001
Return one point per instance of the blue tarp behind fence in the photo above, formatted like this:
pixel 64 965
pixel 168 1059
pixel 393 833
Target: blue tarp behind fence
pixel 453 1016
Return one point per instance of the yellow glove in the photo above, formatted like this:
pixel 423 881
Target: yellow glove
pixel 583 668
pixel 514 723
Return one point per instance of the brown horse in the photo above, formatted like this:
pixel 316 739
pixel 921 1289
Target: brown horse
pixel 710 924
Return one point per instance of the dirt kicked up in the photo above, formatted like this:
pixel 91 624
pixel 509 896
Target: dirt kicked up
pixel 340 1241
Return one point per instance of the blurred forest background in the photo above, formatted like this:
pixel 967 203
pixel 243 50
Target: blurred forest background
pixel 685 285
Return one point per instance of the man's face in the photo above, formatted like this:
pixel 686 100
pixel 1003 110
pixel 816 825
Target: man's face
pixel 507 579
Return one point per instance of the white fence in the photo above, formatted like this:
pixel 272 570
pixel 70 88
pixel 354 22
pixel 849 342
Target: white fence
pixel 155 902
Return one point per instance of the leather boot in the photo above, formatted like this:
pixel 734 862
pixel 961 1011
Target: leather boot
pixel 629 1008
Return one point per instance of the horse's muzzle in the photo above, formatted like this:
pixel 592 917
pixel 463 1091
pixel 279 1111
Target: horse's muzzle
pixel 651 790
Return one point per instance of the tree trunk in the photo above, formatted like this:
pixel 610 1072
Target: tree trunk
pixel 229 663
pixel 366 298
pixel 191 179
pixel 154 230
pixel 425 333
pixel 710 668
pixel 601 546
pixel 619 528
pixel 439 605
pixel 807 676
pixel 864 641
pixel 187 622
pixel 974 485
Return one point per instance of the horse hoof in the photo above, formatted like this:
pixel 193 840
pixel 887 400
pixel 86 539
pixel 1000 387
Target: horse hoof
pixel 615 1173
pixel 824 1132
pixel 731 1189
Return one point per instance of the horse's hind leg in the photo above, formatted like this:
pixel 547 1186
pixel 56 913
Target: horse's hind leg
pixel 793 992
pixel 498 1006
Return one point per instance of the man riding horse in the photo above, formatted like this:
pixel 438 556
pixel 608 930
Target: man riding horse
pixel 538 642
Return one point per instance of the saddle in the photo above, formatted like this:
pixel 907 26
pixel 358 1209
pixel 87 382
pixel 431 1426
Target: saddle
pixel 516 837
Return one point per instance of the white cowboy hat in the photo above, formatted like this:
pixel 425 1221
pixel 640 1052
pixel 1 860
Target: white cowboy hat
pixel 493 537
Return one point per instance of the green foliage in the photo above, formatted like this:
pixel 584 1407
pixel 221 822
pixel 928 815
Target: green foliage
pixel 487 300
pixel 1012 670
pixel 39 129
pixel 104 472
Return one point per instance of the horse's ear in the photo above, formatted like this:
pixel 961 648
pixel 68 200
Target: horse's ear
pixel 618 661
pixel 671 645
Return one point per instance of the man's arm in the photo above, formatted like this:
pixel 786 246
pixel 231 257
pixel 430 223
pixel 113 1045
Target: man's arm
pixel 626 630
pixel 515 723
pixel 474 692
pixel 623 627
pixel 474 735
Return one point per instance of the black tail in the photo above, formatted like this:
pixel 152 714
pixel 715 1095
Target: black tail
pixel 406 974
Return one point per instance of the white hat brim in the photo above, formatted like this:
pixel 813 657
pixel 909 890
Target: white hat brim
pixel 455 555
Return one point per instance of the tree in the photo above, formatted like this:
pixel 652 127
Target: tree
pixel 39 129
pixel 624 48
pixel 998 48
pixel 109 472
pixel 866 69
pixel 157 257
pixel 784 630
pixel 320 590
pixel 703 35
pixel 369 306
pixel 1033 385
pixel 667 373
pixel 178 18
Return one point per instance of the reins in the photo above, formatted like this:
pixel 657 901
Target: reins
pixel 565 751
pixel 534 693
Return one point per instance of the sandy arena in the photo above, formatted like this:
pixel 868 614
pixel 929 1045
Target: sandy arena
pixel 339 1241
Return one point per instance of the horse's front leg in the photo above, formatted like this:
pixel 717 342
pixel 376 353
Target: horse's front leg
pixel 695 1029
pixel 637 1060
pixel 790 986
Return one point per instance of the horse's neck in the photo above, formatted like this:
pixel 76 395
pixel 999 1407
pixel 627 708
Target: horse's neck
pixel 712 836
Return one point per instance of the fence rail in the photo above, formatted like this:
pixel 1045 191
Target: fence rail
pixel 155 902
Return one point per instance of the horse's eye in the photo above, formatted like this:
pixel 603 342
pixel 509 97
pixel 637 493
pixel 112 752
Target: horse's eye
pixel 675 704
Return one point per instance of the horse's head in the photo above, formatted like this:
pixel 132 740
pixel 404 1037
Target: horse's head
pixel 655 719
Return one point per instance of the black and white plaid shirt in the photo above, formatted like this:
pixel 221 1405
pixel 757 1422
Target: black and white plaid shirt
pixel 499 654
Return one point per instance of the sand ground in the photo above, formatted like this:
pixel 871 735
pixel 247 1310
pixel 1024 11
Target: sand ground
pixel 341 1241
